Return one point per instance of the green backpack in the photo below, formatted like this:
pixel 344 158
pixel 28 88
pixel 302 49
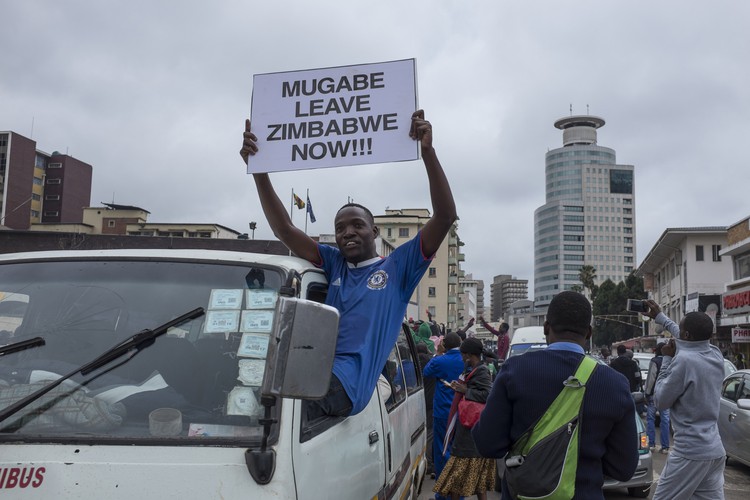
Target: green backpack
pixel 542 463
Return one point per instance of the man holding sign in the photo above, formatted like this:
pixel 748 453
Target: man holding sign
pixel 371 293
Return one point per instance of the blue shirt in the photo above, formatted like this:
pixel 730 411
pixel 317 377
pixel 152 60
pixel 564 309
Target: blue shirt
pixel 447 367
pixel 371 300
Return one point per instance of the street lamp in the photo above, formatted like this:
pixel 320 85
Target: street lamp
pixel 253 225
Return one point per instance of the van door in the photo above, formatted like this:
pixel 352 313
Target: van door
pixel 404 419
pixel 337 457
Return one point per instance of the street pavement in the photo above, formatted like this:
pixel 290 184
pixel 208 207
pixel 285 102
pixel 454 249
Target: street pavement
pixel 736 482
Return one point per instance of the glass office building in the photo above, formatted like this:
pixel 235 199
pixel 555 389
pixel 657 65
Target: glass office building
pixel 589 213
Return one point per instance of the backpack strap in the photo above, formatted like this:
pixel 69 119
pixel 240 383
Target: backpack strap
pixel 567 405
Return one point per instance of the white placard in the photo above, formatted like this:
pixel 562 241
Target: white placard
pixel 261 299
pixel 222 321
pixel 253 345
pixel 225 299
pixel 331 117
pixel 251 371
pixel 257 321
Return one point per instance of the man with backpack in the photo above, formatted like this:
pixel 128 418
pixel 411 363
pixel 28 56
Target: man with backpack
pixel 653 373
pixel 527 385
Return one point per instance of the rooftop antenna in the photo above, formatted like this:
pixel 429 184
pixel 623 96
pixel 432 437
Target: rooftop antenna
pixel 32 128
pixel 587 109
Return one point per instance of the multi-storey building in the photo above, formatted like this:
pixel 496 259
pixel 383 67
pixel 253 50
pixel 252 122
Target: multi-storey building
pixel 735 301
pixel 439 290
pixel 36 187
pixel 128 220
pixel 469 304
pixel 685 272
pixel 505 290
pixel 589 213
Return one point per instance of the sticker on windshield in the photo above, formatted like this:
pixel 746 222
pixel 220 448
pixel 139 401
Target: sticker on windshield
pixel 251 371
pixel 242 401
pixel 217 430
pixel 261 299
pixel 221 321
pixel 253 345
pixel 257 321
pixel 225 299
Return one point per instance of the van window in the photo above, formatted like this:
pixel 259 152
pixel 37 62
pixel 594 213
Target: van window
pixel 209 369
pixel 401 371
pixel 394 373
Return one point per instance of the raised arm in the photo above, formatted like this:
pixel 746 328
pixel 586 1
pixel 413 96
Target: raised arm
pixel 487 326
pixel 466 328
pixel 295 239
pixel 443 206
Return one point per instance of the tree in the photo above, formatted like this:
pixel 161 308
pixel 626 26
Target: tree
pixel 576 288
pixel 613 321
pixel 587 276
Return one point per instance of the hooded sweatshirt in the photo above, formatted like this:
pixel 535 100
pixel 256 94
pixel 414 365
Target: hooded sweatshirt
pixel 689 385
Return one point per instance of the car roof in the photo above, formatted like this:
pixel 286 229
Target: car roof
pixel 738 373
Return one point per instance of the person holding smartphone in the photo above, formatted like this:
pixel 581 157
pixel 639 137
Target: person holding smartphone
pixel 692 370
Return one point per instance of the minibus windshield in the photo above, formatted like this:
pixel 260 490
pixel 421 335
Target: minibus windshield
pixel 199 381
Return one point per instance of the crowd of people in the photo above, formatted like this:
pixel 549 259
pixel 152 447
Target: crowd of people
pixel 456 368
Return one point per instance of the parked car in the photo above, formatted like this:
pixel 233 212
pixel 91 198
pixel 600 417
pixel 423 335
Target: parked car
pixel 639 485
pixel 644 360
pixel 729 368
pixel 734 416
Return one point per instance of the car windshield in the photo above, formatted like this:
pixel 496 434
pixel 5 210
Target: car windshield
pixel 643 362
pixel 517 349
pixel 206 372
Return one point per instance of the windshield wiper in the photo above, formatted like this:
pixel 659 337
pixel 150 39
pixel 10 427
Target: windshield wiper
pixel 132 345
pixel 21 346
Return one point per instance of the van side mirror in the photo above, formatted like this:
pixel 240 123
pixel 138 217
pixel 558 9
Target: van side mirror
pixel 743 404
pixel 301 349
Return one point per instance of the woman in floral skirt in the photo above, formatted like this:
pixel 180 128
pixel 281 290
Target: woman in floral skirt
pixel 467 472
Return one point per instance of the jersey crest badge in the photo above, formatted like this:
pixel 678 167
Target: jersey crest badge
pixel 377 280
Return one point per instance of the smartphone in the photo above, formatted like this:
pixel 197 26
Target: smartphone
pixel 636 305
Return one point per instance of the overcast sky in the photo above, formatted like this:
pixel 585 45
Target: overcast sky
pixel 154 95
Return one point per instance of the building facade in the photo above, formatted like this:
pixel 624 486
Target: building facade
pixel 36 187
pixel 523 313
pixel 128 220
pixel 439 290
pixel 506 289
pixel 684 272
pixel 735 312
pixel 589 213
pixel 469 305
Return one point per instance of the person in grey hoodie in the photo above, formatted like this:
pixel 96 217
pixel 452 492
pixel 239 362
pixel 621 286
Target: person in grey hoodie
pixel 688 385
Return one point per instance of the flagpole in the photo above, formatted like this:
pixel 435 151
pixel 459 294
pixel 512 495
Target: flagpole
pixel 291 208
pixel 291 215
pixel 307 198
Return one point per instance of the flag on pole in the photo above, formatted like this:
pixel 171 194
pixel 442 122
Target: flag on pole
pixel 298 201
pixel 310 210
